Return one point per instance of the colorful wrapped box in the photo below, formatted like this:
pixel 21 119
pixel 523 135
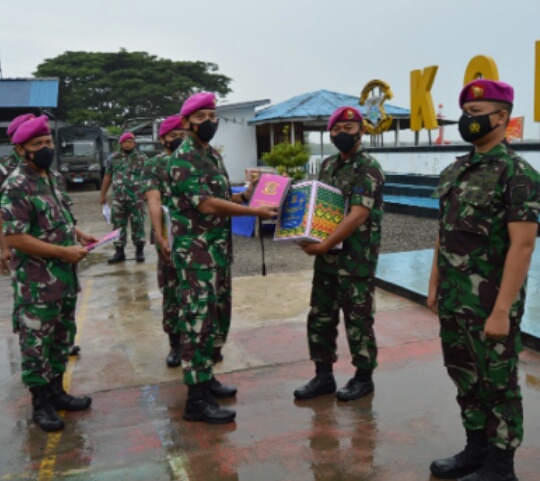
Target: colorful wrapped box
pixel 311 212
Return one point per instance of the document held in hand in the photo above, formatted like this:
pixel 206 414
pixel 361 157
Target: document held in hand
pixel 107 213
pixel 270 191
pixel 166 229
pixel 110 237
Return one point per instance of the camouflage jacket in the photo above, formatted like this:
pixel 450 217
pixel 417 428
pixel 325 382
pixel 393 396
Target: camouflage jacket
pixel 361 179
pixel 37 206
pixel 156 177
pixel 8 164
pixel 479 195
pixel 200 241
pixel 126 171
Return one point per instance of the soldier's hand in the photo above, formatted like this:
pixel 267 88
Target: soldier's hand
pixel 251 188
pixel 165 248
pixel 497 326
pixel 86 239
pixel 313 248
pixel 102 199
pixel 266 212
pixel 5 257
pixel 74 254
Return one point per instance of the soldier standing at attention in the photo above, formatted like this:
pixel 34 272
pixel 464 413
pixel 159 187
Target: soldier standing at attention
pixel 157 190
pixel 201 206
pixel 489 206
pixel 345 278
pixel 7 165
pixel 40 228
pixel 125 172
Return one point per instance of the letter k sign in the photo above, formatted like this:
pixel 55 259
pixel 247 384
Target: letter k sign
pixel 422 111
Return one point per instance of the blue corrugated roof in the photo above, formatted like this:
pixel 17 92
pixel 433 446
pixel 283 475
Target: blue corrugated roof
pixel 317 105
pixel 21 93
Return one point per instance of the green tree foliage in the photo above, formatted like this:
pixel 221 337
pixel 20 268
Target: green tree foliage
pixel 288 158
pixel 107 88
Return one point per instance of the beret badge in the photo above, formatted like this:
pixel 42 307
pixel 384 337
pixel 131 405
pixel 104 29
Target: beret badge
pixel 477 92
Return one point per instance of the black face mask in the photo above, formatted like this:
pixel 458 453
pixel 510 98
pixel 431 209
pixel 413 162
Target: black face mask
pixel 205 131
pixel 174 144
pixel 127 152
pixel 473 128
pixel 43 158
pixel 344 142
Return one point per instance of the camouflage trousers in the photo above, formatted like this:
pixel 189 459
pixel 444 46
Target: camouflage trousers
pixel 205 300
pixel 129 211
pixel 168 284
pixel 46 334
pixel 485 373
pixel 356 297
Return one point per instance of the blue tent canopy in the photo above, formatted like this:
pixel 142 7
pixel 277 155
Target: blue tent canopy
pixel 316 107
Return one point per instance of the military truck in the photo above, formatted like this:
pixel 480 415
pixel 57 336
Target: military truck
pixel 82 154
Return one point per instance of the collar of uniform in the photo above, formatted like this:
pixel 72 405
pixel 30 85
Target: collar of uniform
pixel 29 172
pixel 497 151
pixel 197 146
pixel 33 175
pixel 15 157
pixel 351 157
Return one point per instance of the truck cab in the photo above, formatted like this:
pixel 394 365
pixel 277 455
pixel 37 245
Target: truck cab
pixel 82 152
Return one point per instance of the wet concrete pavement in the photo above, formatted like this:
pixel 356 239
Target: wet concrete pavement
pixel 135 428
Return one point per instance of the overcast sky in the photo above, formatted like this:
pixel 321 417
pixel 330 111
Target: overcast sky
pixel 277 49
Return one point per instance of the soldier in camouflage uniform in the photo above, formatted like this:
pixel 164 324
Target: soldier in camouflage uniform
pixel 157 190
pixel 125 172
pixel 40 228
pixel 201 206
pixel 489 207
pixel 7 165
pixel 344 279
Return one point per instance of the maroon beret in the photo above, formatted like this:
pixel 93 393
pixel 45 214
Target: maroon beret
pixel 34 127
pixel 174 122
pixel 344 114
pixel 17 121
pixel 126 136
pixel 200 101
pixel 484 89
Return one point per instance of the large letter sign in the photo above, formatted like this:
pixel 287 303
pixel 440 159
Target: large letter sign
pixel 422 110
pixel 481 67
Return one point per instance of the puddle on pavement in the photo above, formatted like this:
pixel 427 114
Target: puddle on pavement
pixel 92 259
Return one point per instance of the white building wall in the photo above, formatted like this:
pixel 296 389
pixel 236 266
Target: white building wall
pixel 432 163
pixel 421 163
pixel 237 141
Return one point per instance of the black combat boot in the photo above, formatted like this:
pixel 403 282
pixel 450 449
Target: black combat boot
pixel 360 385
pixel 498 466
pixel 61 400
pixel 44 414
pixel 322 383
pixel 220 390
pixel 217 356
pixel 466 461
pixel 174 359
pixel 119 256
pixel 200 406
pixel 139 253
